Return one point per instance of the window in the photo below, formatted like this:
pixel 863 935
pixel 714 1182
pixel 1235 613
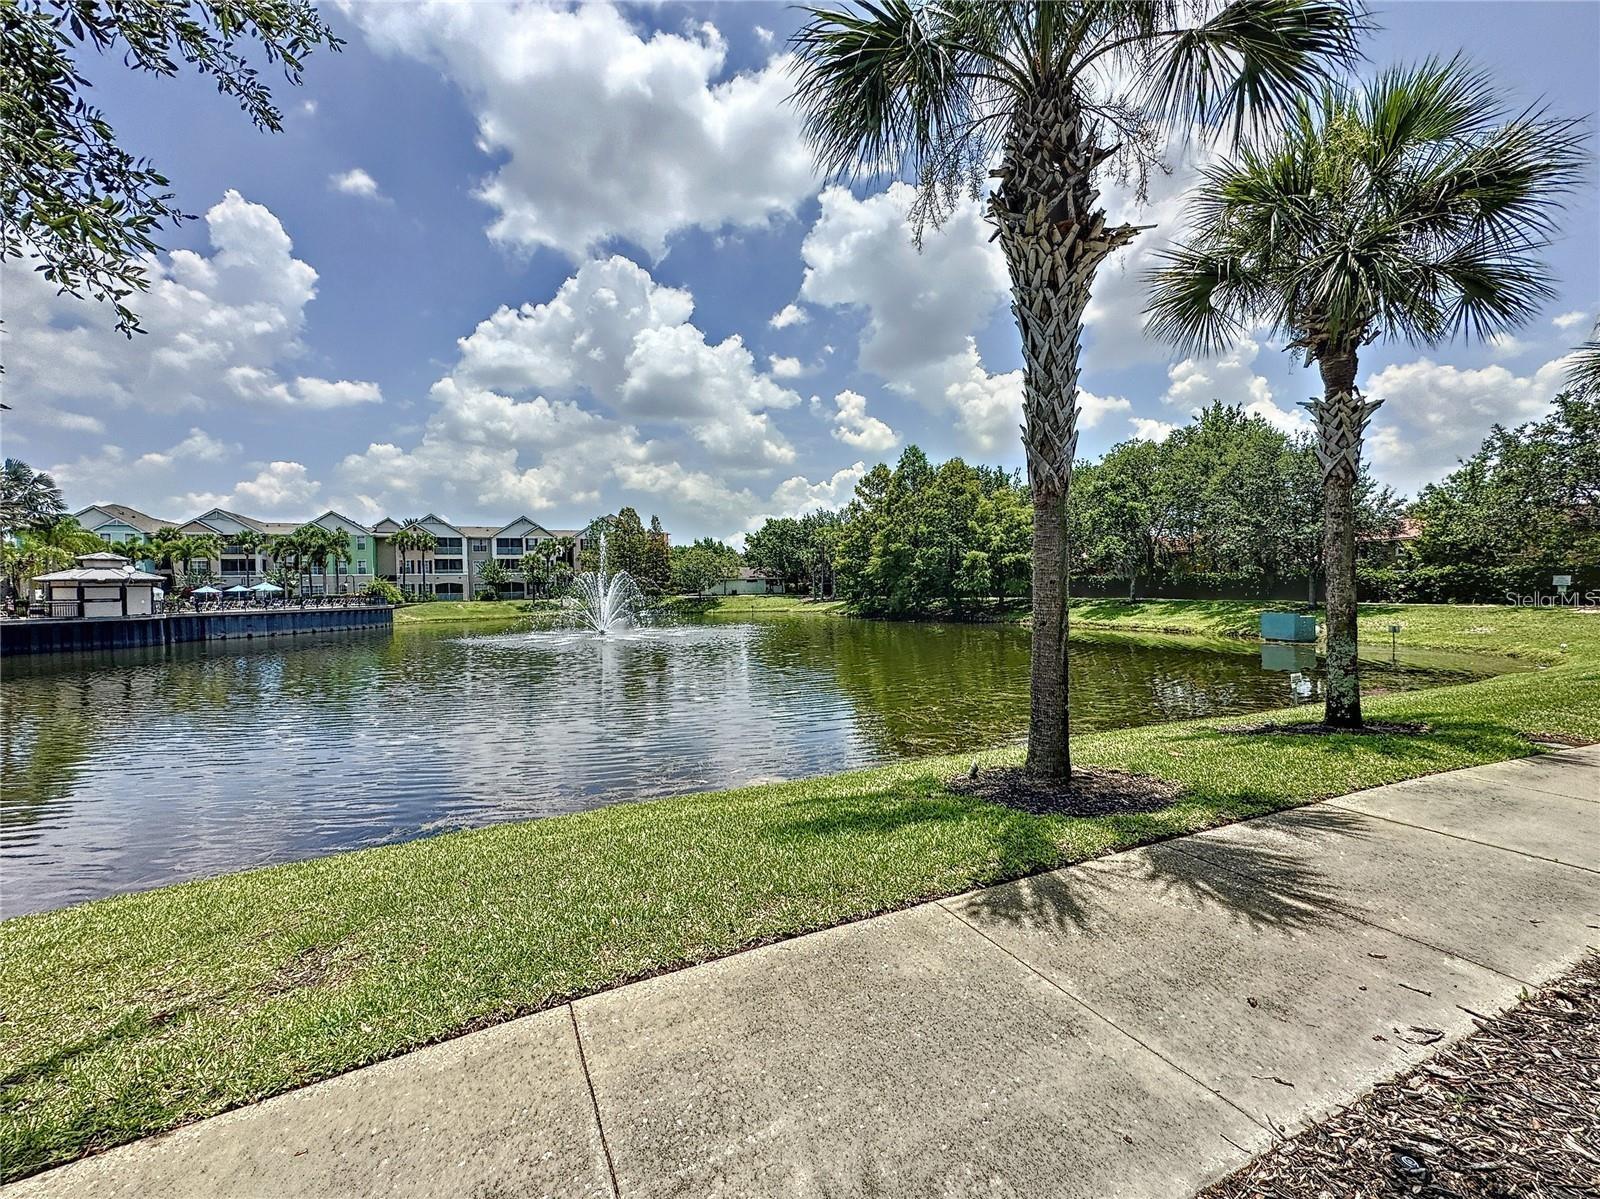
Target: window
pixel 447 566
pixel 448 545
pixel 480 545
pixel 235 566
pixel 361 566
pixel 508 546
pixel 361 543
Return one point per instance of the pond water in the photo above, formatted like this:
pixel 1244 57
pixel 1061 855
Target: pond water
pixel 126 771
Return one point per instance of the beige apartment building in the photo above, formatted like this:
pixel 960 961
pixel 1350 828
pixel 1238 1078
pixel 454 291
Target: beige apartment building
pixel 451 569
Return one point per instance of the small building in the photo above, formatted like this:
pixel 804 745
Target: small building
pixel 102 584
pixel 748 582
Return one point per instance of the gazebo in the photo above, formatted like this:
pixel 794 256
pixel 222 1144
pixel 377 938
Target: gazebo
pixel 102 584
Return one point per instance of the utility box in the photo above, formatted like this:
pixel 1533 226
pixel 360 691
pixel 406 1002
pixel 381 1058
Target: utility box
pixel 1288 626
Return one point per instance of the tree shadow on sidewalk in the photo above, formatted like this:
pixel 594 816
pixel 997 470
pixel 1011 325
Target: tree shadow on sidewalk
pixel 1264 886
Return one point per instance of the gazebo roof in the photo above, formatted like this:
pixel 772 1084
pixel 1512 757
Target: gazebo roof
pixel 101 574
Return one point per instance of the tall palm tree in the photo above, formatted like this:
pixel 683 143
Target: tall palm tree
pixel 413 537
pixel 342 553
pixel 251 542
pixel 1413 207
pixel 318 549
pixel 1054 92
pixel 200 547
pixel 29 499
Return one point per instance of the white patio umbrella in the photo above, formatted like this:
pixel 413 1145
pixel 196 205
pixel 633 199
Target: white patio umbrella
pixel 266 587
pixel 208 590
pixel 237 589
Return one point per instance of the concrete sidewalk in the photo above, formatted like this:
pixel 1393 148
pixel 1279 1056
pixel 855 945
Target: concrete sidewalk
pixel 1134 1026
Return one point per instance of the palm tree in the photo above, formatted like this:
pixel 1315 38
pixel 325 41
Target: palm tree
pixel 202 546
pixel 1054 91
pixel 251 542
pixel 342 553
pixel 315 538
pixel 288 550
pixel 1583 367
pixel 414 537
pixel 1413 207
pixel 29 499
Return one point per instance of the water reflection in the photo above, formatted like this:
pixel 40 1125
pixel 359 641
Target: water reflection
pixel 125 771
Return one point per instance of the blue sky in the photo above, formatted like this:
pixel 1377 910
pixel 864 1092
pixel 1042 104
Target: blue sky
pixel 515 259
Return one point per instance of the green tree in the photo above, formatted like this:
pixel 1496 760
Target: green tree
pixel 29 499
pixel 412 538
pixel 778 548
pixel 493 576
pixel 656 569
pixel 1049 94
pixel 26 558
pixel 1529 497
pixel 250 542
pixel 820 531
pixel 88 208
pixel 1413 207
pixel 697 570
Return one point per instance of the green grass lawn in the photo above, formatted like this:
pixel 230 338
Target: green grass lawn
pixel 751 604
pixel 127 1016
pixel 465 611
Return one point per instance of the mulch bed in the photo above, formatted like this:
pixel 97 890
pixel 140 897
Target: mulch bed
pixel 1512 1109
pixel 1386 728
pixel 1092 791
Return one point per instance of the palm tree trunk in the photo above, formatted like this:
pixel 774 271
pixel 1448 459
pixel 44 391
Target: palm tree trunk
pixel 1054 238
pixel 1341 419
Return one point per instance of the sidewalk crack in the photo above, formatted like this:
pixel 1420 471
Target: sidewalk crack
pixel 1424 828
pixel 594 1103
pixel 1101 1016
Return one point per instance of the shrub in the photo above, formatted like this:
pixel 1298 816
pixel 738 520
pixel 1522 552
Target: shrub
pixel 384 591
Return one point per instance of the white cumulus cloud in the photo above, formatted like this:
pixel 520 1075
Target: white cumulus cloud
pixel 853 426
pixel 603 130
pixel 219 327
pixel 356 182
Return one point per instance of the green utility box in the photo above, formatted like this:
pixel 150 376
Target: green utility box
pixel 1288 626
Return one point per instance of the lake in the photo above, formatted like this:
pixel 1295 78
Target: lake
pixel 121 772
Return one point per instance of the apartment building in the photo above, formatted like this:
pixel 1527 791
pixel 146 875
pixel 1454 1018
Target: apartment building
pixel 451 569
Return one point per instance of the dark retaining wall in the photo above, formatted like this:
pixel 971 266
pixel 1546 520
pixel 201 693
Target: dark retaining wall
pixel 132 632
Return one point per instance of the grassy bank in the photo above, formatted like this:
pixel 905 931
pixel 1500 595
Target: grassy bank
pixel 793 605
pixel 131 1015
pixel 466 611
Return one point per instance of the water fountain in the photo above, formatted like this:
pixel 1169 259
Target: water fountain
pixel 607 601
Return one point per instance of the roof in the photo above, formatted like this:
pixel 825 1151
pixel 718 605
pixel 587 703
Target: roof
pixel 248 522
pixel 276 528
pixel 100 557
pixel 132 517
pixel 317 520
pixel 478 530
pixel 101 574
pixel 746 574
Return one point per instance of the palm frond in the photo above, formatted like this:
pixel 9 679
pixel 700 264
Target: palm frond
pixel 1583 367
pixel 894 86
pixel 1413 207
pixel 1248 65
